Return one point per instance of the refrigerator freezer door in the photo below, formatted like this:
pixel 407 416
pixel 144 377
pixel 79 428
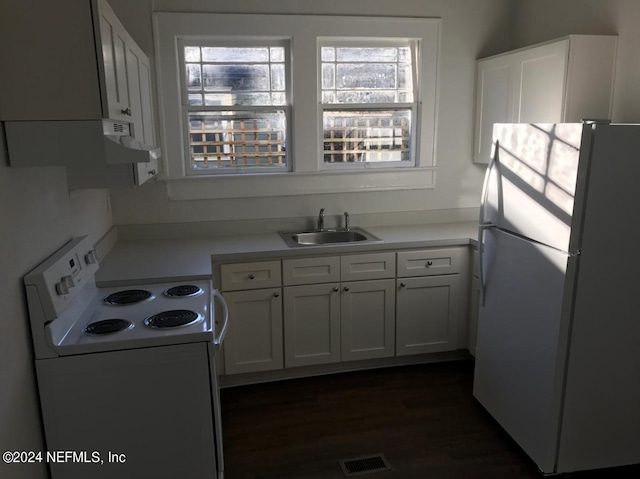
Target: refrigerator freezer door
pixel 532 186
pixel 520 352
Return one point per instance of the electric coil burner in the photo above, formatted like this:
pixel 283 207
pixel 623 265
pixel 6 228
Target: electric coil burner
pixel 172 319
pixel 129 296
pixel 108 326
pixel 184 290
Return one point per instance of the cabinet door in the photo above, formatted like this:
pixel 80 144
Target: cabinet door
pixel 426 314
pixel 139 86
pixel 254 338
pixel 311 324
pixel 493 102
pixel 367 319
pixel 539 80
pixel 113 39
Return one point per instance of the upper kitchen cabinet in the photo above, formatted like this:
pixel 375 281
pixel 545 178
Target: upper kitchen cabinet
pixel 566 80
pixel 79 93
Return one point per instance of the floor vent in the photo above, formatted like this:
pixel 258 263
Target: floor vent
pixel 364 465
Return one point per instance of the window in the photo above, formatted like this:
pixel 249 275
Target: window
pixel 284 105
pixel 368 107
pixel 228 95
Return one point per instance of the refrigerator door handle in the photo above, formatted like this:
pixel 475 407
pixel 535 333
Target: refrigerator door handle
pixel 485 186
pixel 481 230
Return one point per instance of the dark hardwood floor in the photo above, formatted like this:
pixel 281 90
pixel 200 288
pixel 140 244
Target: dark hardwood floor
pixel 423 418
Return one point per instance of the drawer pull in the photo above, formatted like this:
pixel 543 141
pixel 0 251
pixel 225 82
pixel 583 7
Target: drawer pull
pixel 275 295
pixel 429 263
pixel 346 288
pixel 252 276
pixel 403 285
pixel 336 289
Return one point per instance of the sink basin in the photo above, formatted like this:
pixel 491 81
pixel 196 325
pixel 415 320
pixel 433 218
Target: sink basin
pixel 328 237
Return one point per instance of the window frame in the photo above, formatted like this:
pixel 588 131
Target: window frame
pixel 218 41
pixel 308 176
pixel 338 42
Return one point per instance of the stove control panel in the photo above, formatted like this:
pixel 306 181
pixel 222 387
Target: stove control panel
pixel 59 279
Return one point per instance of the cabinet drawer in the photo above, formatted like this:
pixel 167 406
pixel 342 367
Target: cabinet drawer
pixel 238 276
pixel 428 262
pixel 367 266
pixel 325 269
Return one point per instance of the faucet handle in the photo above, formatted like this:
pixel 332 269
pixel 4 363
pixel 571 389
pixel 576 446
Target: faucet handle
pixel 321 219
pixel 346 221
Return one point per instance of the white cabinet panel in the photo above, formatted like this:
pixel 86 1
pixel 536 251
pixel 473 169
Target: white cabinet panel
pixel 322 269
pixel 367 266
pixel 428 262
pixel 426 314
pixel 565 80
pixel 239 276
pixel 254 338
pixel 367 319
pixel 312 324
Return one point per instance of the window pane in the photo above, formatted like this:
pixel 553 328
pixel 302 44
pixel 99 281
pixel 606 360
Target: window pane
pixel 194 76
pixel 232 139
pixel 277 77
pixel 230 54
pixel 195 99
pixel 366 75
pixel 277 54
pixel 328 54
pixel 328 76
pixel 367 136
pixel 240 76
pixel 235 77
pixel 367 54
pixel 192 54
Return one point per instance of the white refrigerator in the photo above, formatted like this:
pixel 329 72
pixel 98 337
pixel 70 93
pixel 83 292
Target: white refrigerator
pixel 558 346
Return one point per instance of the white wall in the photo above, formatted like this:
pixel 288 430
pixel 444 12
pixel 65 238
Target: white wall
pixel 470 29
pixel 541 20
pixel 38 216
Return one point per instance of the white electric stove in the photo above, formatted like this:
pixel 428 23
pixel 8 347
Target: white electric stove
pixel 123 369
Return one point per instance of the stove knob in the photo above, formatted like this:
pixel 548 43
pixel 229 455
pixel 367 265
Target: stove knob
pixel 91 257
pixel 68 281
pixel 62 288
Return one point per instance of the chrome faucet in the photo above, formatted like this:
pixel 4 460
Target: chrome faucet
pixel 346 221
pixel 321 219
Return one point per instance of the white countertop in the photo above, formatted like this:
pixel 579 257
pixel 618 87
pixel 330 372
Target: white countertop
pixel 169 260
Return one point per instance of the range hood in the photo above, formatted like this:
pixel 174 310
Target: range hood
pixel 80 143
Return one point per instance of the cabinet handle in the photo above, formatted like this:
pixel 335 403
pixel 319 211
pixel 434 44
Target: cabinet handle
pixel 429 263
pixel 252 276
pixel 152 172
pixel 336 289
pixel 126 111
pixel 346 288
pixel 275 295
pixel 403 285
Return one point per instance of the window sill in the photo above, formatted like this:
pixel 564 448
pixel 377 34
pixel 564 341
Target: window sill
pixel 295 184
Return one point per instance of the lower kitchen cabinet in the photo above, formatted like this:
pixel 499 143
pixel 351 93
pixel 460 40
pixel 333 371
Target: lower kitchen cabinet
pixel 254 338
pixel 426 314
pixel 311 324
pixel 367 319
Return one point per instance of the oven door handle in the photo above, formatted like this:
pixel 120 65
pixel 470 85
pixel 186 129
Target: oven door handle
pixel 217 342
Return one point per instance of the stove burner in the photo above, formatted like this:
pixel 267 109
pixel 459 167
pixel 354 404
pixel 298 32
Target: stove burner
pixel 108 326
pixel 183 290
pixel 172 319
pixel 129 296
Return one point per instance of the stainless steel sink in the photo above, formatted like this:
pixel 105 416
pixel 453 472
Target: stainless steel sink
pixel 328 237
